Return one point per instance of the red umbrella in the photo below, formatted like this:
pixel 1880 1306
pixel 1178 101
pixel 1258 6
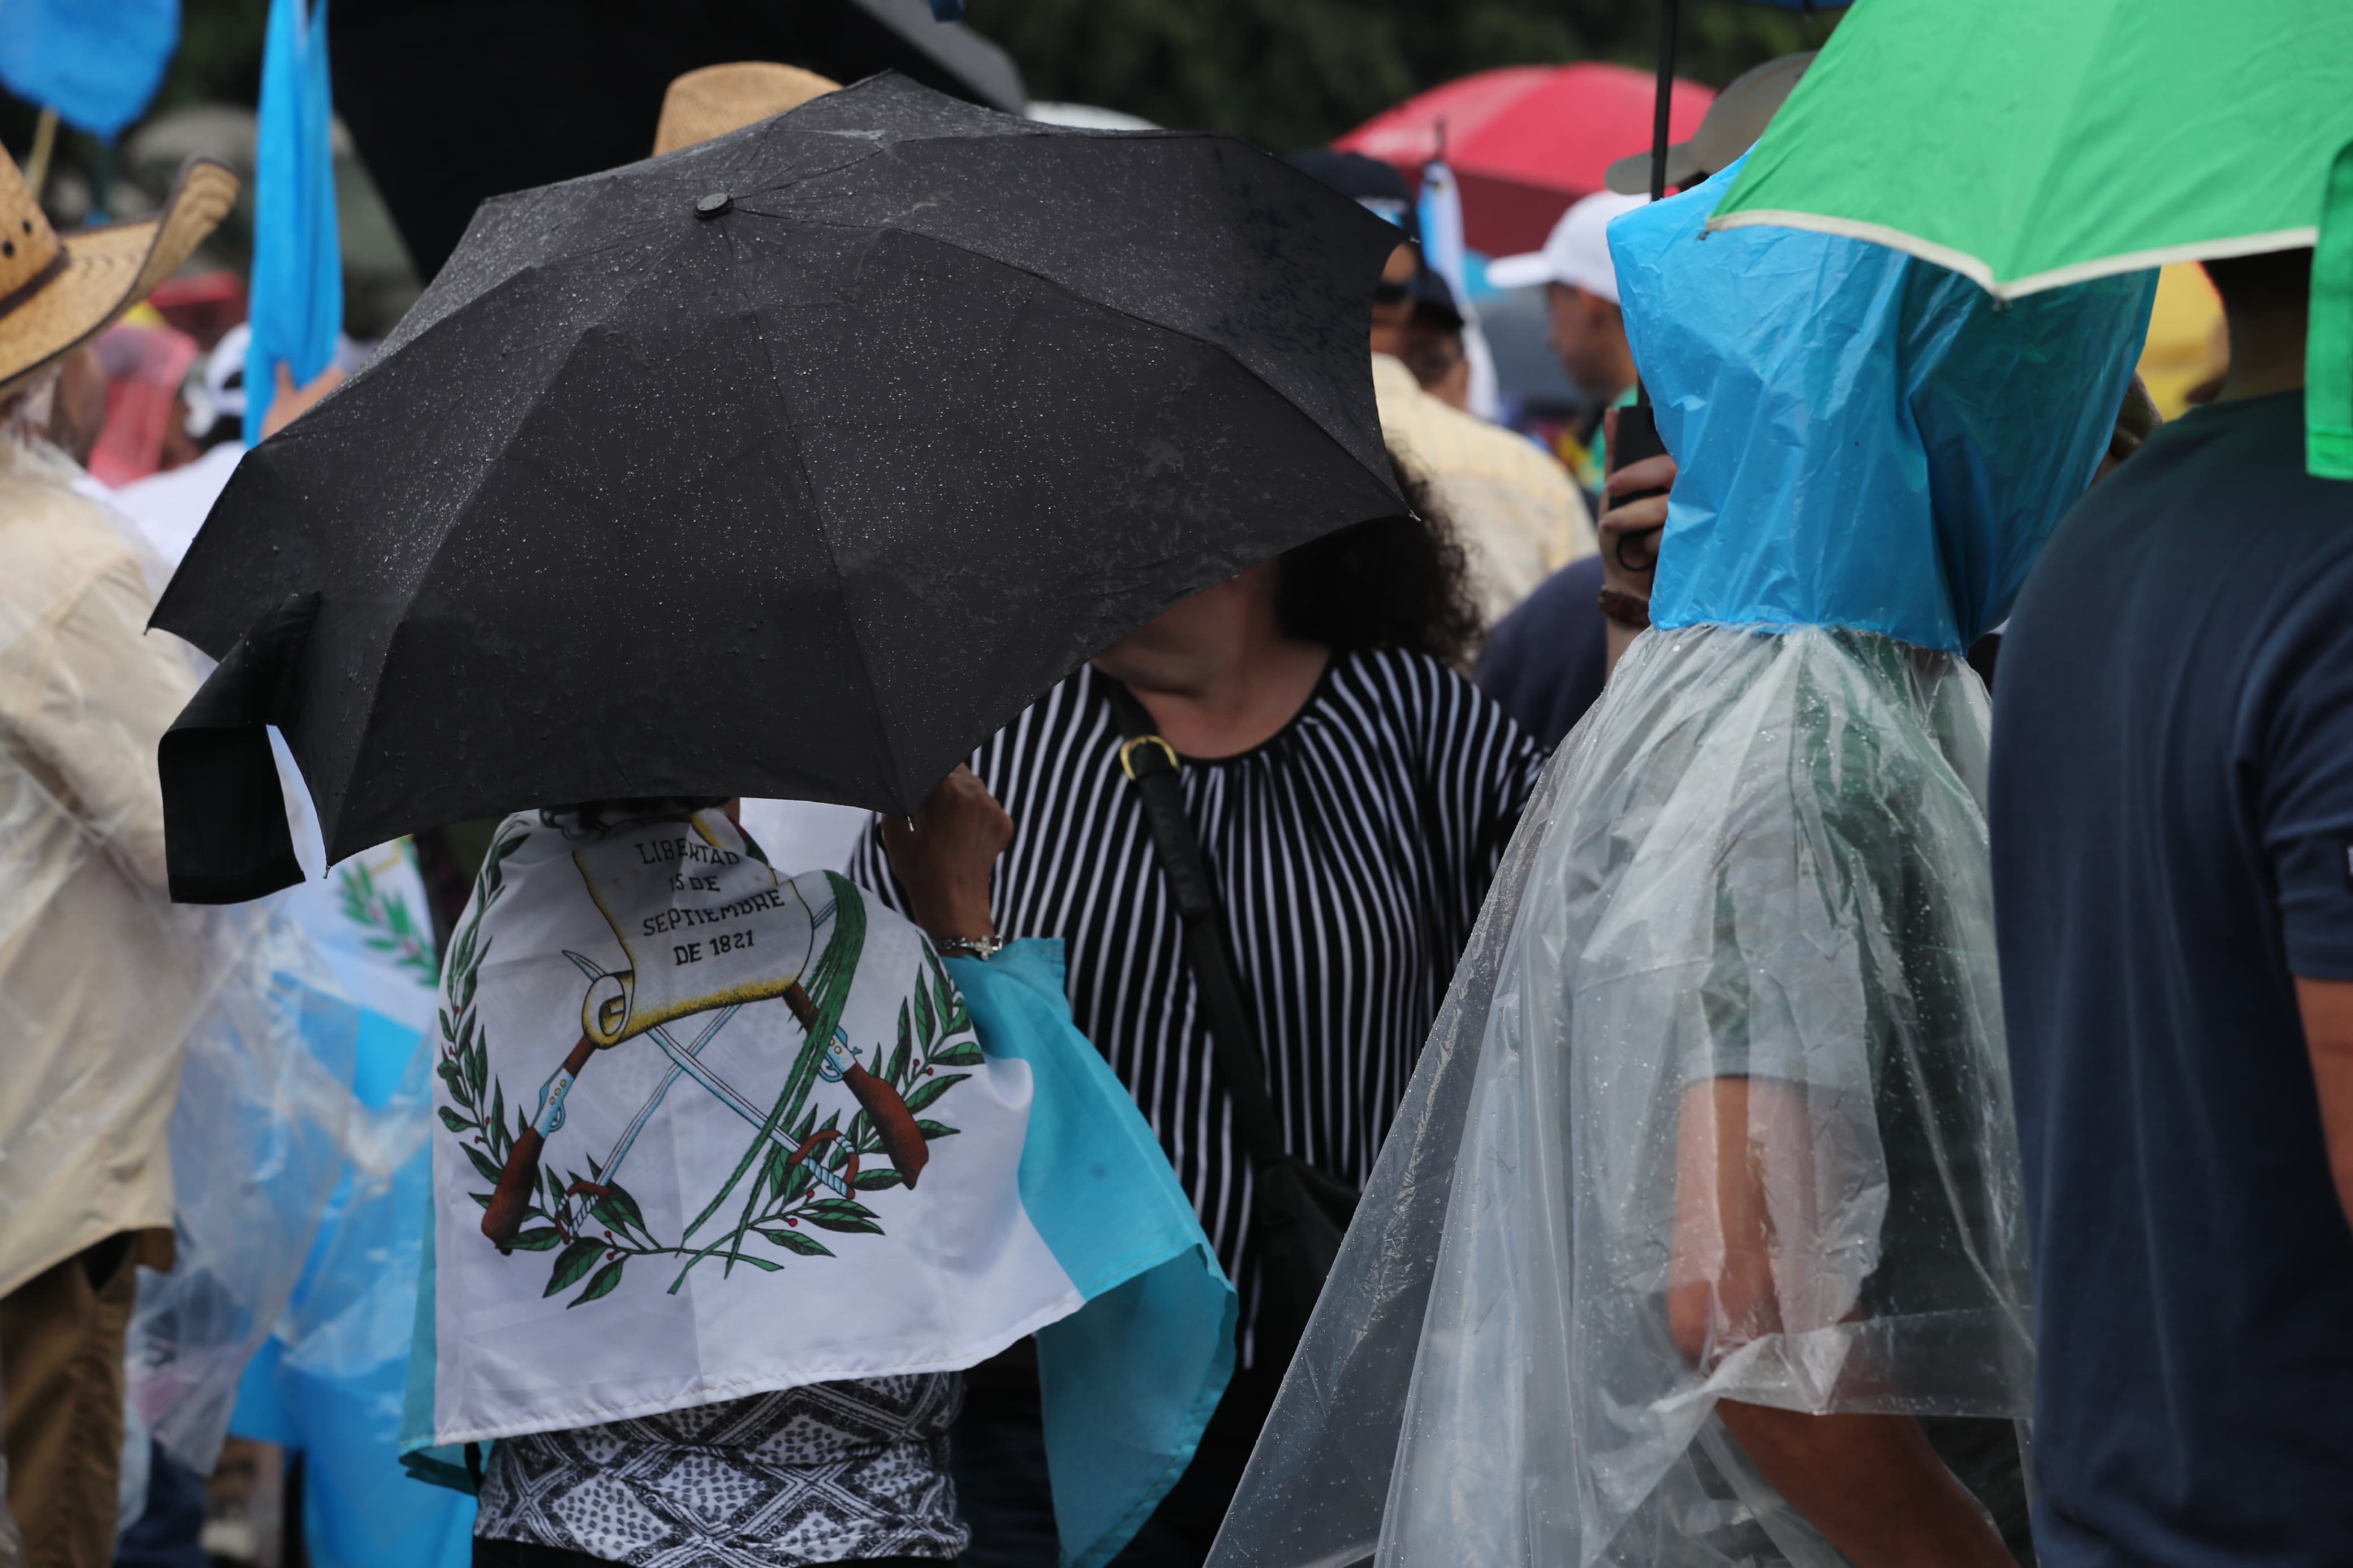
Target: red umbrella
pixel 1526 140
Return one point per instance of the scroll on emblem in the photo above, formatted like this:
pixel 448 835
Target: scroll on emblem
pixel 725 931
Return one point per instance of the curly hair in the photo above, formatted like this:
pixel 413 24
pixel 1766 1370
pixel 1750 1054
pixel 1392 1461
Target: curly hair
pixel 1397 581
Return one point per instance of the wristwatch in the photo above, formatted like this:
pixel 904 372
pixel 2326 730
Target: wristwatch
pixel 980 947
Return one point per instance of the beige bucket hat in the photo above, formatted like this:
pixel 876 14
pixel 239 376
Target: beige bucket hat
pixel 1733 122
pixel 719 98
pixel 58 292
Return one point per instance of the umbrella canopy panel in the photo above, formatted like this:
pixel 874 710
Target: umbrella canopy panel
pixel 452 101
pixel 792 464
pixel 2026 144
pixel 1526 140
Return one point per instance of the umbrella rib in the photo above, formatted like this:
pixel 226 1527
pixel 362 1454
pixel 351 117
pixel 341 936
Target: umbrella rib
pixel 880 732
pixel 1056 284
pixel 402 335
pixel 460 513
pixel 2050 167
pixel 635 286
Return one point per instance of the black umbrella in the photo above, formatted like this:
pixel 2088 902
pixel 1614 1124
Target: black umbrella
pixel 790 464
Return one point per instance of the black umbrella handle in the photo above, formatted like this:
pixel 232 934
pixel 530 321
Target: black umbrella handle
pixel 1660 105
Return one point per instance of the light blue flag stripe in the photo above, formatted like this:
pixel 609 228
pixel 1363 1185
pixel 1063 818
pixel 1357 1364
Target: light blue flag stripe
pixel 1128 1381
pixel 297 294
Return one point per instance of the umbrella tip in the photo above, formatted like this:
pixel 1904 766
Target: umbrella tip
pixel 715 204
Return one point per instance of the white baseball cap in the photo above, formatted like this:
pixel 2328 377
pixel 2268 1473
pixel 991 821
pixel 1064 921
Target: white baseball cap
pixel 1576 253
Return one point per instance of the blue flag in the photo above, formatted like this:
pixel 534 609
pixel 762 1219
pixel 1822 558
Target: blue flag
pixel 96 62
pixel 298 270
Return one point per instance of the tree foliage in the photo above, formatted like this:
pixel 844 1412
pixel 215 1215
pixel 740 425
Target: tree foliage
pixel 1284 73
pixel 220 56
pixel 1288 74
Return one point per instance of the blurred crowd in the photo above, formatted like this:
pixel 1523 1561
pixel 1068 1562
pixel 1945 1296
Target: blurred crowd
pixel 1522 970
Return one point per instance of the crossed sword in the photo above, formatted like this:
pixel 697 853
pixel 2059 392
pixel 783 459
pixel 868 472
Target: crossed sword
pixel 903 1141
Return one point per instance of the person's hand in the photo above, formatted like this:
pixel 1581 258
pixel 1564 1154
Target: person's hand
pixel 943 856
pixel 1629 529
pixel 291 402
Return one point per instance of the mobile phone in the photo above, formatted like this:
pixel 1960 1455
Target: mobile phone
pixel 1637 437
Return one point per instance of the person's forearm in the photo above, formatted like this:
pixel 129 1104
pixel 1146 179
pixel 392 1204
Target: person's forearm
pixel 944 920
pixel 942 857
pixel 1629 534
pixel 1617 636
pixel 2328 1009
pixel 1872 1484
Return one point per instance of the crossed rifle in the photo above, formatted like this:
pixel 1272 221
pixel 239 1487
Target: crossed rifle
pixel 903 1141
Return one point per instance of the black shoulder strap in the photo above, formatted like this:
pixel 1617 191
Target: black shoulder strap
pixel 1151 764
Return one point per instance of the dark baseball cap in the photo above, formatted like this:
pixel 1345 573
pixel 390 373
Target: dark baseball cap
pixel 1433 301
pixel 1376 186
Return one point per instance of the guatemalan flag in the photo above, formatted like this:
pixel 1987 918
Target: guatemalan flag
pixel 706 1130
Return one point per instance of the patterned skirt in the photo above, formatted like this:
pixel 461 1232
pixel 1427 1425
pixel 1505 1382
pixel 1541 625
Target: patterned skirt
pixel 821 1474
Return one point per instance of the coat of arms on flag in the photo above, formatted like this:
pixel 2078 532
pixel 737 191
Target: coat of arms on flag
pixel 706 1130
pixel 700 931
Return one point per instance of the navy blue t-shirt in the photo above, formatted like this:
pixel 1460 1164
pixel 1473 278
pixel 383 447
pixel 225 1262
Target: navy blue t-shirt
pixel 1546 661
pixel 2173 843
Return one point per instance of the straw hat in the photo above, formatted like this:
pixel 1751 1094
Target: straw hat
pixel 719 98
pixel 55 293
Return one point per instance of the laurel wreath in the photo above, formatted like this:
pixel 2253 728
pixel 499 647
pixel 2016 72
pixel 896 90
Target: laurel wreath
pixel 367 903
pixel 594 1228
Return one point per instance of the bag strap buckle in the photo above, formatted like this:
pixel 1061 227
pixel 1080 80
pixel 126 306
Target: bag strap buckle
pixel 1128 754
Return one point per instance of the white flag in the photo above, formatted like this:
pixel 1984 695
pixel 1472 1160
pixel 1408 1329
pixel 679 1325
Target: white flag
pixel 1443 251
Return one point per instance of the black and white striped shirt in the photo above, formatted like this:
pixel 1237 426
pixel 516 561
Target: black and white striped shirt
pixel 1351 853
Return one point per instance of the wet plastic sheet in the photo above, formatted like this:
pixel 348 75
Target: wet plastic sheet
pixel 331 1379
pixel 1964 425
pixel 259 1139
pixel 1765 859
pixel 100 978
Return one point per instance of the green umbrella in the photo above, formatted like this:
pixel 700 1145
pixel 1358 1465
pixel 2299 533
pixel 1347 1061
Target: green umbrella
pixel 2027 143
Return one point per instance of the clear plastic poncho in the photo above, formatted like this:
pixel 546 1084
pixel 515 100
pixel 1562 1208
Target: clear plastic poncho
pixel 1717 1106
pixel 263 1127
pixel 168 1065
pixel 332 1381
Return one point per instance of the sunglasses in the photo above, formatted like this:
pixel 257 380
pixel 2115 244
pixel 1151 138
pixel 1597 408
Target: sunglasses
pixel 1387 293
